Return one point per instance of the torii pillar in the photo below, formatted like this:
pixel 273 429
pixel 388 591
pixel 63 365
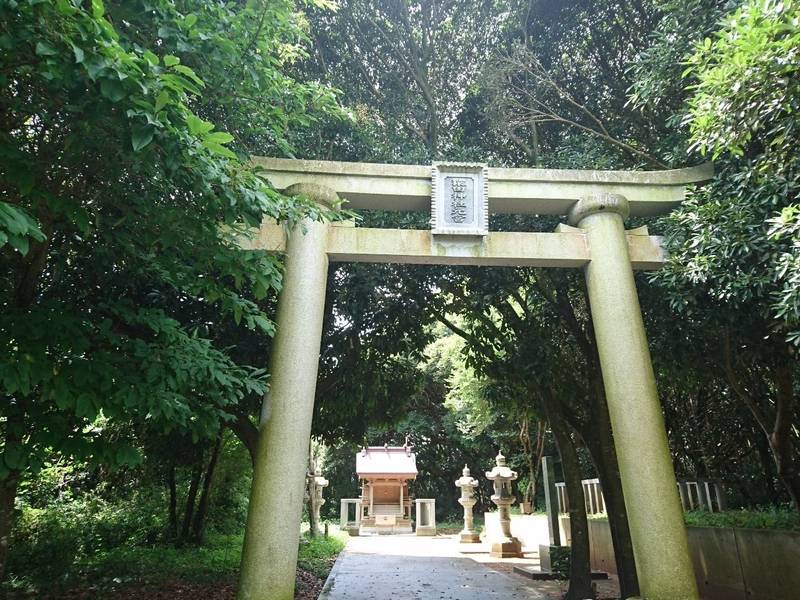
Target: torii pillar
pixel 272 536
pixel 660 546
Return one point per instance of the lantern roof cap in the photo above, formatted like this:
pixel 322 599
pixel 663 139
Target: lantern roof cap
pixel 466 480
pixel 500 470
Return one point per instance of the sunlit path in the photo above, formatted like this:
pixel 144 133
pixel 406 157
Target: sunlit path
pixel 405 567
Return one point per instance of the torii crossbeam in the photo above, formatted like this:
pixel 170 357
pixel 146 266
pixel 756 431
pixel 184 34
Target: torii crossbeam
pixel 461 196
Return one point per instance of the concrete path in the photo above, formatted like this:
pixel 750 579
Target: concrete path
pixel 406 567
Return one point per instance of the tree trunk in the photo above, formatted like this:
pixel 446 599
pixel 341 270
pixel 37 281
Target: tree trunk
pixel 15 423
pixel 600 442
pixel 173 503
pixel 247 433
pixel 199 525
pixel 534 453
pixel 191 497
pixel 8 494
pixel 780 439
pixel 767 466
pixel 541 430
pixel 779 431
pixel 618 522
pixel 527 449
pixel 580 575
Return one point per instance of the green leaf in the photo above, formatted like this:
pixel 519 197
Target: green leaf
pixel 84 406
pixel 219 149
pixel 14 456
pixel 128 455
pixel 19 242
pixel 264 324
pixel 25 182
pixel 184 70
pixel 95 65
pixel 162 100
pixel 45 49
pixel 112 89
pixel 141 136
pixel 79 54
pixel 150 57
pixel 98 10
pixel 219 137
pixel 189 21
pixel 171 61
pixel 64 7
pixel 198 126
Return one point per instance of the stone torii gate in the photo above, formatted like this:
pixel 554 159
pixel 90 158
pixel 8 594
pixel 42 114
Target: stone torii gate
pixel 460 197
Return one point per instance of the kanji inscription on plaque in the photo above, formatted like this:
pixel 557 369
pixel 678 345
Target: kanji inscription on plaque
pixel 459 203
pixel 459 191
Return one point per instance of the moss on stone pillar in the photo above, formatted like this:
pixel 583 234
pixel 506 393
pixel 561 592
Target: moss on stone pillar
pixel 269 556
pixel 658 533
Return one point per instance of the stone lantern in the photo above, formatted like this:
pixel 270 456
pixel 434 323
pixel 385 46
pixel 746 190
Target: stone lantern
pixel 467 500
pixel 314 493
pixel 506 546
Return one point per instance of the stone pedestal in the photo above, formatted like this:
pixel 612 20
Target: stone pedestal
pixel 555 559
pixel 426 516
pixel 510 548
pixel 345 524
pixel 467 484
pixel 469 537
pixel 505 546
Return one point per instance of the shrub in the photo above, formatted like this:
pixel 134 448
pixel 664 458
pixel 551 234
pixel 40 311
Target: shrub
pixel 765 518
pixel 49 543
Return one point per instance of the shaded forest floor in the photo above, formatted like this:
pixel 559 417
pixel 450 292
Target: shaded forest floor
pixel 308 587
pixel 203 572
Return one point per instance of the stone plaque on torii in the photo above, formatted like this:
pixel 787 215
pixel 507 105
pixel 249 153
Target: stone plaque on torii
pixel 596 205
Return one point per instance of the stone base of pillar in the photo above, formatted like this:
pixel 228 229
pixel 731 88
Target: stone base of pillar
pixel 352 530
pixel 426 531
pixel 508 548
pixel 469 537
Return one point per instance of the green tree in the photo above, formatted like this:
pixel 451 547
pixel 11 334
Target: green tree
pixel 121 208
pixel 733 244
pixel 404 68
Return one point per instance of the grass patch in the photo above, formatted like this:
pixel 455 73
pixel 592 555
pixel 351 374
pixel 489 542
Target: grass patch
pixel 451 527
pixel 769 518
pixel 316 555
pixel 216 560
pixel 784 519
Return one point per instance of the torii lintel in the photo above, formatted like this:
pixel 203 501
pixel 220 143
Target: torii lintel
pixel 510 190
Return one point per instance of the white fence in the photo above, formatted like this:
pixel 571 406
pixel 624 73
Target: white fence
pixel 701 494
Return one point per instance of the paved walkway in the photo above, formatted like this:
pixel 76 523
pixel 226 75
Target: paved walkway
pixel 406 567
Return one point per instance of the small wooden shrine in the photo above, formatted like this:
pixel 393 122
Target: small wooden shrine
pixel 384 472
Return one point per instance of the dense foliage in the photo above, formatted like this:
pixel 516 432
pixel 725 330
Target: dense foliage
pixel 122 200
pixel 134 330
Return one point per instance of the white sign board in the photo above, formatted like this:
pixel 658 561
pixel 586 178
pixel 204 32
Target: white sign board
pixel 459 199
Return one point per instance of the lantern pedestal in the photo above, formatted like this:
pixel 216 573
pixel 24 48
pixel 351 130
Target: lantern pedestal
pixel 511 548
pixel 469 537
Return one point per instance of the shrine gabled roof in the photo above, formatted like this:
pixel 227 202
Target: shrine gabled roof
pixel 392 461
